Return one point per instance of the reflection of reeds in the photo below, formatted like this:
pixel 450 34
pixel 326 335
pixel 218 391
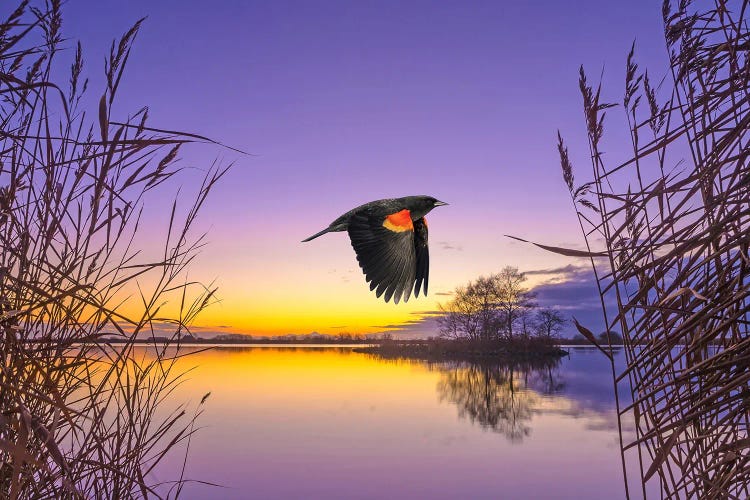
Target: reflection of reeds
pixel 677 237
pixel 77 420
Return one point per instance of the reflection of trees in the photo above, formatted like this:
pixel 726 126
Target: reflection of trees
pixel 544 378
pixel 501 397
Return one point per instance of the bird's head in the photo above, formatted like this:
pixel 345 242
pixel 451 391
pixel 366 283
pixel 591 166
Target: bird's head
pixel 419 206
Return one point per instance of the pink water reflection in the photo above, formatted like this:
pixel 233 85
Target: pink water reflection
pixel 331 423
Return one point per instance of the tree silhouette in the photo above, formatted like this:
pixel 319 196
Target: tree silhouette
pixel 549 322
pixel 490 307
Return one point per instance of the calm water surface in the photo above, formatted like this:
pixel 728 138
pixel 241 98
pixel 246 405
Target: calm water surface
pixel 326 422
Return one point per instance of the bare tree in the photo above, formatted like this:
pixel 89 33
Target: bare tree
pixel 489 307
pixel 462 316
pixel 526 322
pixel 483 294
pixel 549 322
pixel 514 300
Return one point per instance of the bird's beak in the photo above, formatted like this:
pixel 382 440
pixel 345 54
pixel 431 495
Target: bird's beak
pixel 440 203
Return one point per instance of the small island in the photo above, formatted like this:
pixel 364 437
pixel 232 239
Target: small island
pixel 437 349
pixel 491 318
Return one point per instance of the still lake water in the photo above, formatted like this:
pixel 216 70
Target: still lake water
pixel 326 422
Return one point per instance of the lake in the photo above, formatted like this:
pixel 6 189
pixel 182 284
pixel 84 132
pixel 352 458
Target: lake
pixel 326 422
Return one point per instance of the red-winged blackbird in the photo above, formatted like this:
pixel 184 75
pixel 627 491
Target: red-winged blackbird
pixel 390 239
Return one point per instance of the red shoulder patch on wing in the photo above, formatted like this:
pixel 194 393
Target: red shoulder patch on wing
pixel 399 222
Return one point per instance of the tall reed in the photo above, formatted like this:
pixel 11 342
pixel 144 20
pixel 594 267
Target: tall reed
pixel 675 222
pixel 78 420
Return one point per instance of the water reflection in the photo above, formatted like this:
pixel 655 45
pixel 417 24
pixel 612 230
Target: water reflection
pixel 501 397
pixel 318 422
pixel 505 397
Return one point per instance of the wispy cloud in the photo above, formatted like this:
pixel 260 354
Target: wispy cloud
pixel 569 269
pixel 392 326
pixel 162 329
pixel 414 329
pixel 447 245
pixel 575 294
pixel 427 313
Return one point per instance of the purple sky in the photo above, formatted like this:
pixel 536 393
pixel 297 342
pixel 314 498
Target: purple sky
pixel 345 102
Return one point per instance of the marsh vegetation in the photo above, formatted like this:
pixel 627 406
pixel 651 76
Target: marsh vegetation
pixel 672 272
pixel 78 420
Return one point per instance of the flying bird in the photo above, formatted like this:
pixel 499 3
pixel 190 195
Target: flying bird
pixel 390 240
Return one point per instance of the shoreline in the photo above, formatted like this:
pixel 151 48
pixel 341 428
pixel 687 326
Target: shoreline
pixel 463 350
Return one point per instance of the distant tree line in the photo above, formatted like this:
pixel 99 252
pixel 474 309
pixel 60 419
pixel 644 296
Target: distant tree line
pixel 498 307
pixel 240 338
pixel 314 338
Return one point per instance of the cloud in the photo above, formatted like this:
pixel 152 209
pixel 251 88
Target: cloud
pixel 444 294
pixel 392 326
pixel 166 329
pixel 572 290
pixel 575 295
pixel 415 329
pixel 447 245
pixel 569 269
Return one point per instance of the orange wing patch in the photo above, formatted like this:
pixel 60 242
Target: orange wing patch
pixel 399 222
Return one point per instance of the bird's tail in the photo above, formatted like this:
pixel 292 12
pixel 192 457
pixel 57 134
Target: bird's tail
pixel 324 231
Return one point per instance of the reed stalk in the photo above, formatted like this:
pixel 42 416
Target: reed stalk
pixel 674 219
pixel 79 419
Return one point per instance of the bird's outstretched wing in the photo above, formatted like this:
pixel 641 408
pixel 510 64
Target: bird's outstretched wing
pixel 422 254
pixel 386 251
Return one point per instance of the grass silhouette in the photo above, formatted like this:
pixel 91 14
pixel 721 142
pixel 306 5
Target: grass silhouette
pixel 80 420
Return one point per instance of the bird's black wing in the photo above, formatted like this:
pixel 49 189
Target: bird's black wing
pixel 422 253
pixel 386 253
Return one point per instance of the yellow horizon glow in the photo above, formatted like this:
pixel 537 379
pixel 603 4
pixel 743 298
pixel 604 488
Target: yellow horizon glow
pixel 353 309
pixel 271 284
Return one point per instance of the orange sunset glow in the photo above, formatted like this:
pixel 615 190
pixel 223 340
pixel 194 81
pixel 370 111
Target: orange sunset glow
pixel 217 278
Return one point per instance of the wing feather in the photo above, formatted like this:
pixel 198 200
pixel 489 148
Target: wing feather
pixel 387 257
pixel 422 252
